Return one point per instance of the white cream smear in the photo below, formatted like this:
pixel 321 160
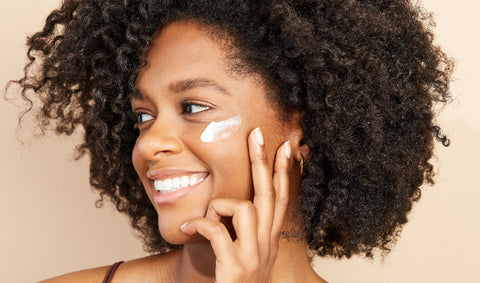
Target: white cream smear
pixel 219 130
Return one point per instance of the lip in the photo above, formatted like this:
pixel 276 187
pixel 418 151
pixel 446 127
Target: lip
pixel 172 197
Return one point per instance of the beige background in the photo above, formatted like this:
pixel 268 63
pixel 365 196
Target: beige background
pixel 51 226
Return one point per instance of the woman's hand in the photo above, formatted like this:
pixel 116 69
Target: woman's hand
pixel 251 256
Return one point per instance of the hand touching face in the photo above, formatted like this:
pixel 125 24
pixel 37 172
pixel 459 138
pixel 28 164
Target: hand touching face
pixel 184 88
pixel 250 256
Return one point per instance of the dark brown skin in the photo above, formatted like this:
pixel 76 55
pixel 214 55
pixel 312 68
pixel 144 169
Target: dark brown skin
pixel 239 186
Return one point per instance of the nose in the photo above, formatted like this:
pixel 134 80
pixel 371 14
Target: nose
pixel 159 141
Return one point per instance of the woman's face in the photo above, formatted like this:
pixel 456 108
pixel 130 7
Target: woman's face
pixel 186 86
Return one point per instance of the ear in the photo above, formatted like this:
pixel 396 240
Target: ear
pixel 295 136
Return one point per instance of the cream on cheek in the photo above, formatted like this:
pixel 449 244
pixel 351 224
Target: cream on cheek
pixel 220 130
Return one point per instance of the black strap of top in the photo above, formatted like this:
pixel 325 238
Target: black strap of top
pixel 111 272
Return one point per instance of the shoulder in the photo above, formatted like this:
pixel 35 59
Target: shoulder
pixel 147 269
pixel 89 275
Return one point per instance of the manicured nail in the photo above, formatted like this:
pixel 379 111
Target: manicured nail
pixel 257 134
pixel 184 225
pixel 288 149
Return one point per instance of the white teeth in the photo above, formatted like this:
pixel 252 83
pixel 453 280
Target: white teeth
pixel 167 184
pixel 176 182
pixel 159 185
pixel 192 181
pixel 184 181
pixel 173 184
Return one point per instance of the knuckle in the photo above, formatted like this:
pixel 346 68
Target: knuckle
pixel 211 206
pixel 262 158
pixel 213 203
pixel 246 206
pixel 215 229
pixel 237 270
pixel 281 169
pixel 270 194
pixel 284 200
pixel 195 221
pixel 251 265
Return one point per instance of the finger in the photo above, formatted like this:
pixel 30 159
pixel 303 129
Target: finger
pixel 281 184
pixel 264 194
pixel 213 231
pixel 243 219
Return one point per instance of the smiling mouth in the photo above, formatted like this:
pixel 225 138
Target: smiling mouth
pixel 169 185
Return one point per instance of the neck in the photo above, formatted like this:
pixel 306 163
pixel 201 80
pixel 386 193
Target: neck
pixel 197 263
pixel 292 263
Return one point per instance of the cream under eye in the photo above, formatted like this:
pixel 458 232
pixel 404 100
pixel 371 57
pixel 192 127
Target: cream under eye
pixel 220 130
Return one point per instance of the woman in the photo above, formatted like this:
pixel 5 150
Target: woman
pixel 241 135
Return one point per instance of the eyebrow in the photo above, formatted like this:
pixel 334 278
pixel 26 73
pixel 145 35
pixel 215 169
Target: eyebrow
pixel 187 84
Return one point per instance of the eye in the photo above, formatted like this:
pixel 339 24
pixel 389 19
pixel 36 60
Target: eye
pixel 143 117
pixel 191 108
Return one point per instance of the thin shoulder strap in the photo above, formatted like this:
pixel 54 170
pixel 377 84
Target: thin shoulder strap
pixel 111 272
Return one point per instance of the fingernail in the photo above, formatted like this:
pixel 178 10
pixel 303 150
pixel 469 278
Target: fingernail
pixel 183 226
pixel 288 149
pixel 257 134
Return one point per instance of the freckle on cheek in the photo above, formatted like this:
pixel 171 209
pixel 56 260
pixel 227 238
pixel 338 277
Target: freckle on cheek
pixel 220 130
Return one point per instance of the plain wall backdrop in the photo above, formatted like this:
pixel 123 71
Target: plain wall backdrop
pixel 50 226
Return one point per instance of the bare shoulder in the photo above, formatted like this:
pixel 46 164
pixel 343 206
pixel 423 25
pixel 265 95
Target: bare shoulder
pixel 89 275
pixel 147 269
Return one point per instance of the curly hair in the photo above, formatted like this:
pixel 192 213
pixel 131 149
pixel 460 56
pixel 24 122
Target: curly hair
pixel 366 73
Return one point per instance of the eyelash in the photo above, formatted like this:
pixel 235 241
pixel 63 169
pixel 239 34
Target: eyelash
pixel 139 119
pixel 185 106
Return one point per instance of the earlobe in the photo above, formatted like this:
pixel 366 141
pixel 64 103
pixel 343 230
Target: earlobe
pixel 294 133
pixel 299 147
pixel 302 151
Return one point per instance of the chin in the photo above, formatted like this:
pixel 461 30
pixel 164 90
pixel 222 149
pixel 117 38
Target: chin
pixel 179 238
pixel 172 234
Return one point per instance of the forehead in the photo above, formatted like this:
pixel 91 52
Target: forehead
pixel 184 51
pixel 181 48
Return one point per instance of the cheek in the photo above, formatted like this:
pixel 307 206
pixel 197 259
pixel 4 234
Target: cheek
pixel 229 162
pixel 218 154
pixel 218 142
pixel 140 167
pixel 137 160
pixel 231 170
pixel 222 147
